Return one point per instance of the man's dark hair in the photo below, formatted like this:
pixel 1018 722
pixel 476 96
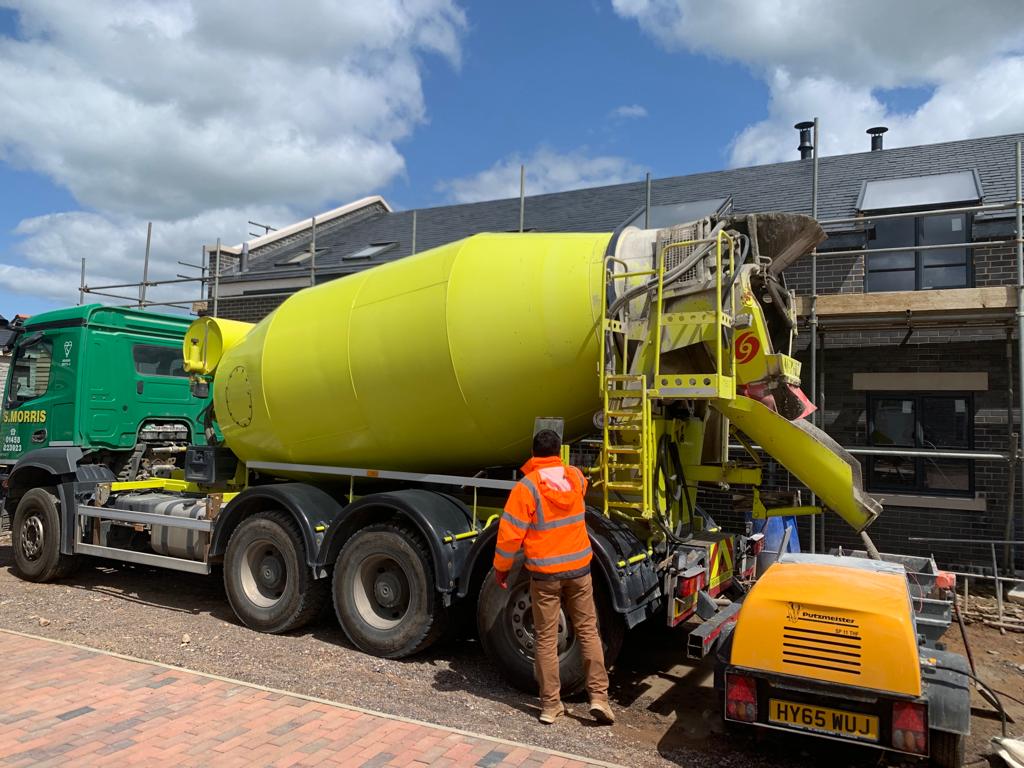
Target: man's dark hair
pixel 546 443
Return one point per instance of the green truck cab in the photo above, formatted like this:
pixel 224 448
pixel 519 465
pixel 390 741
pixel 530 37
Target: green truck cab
pixel 105 385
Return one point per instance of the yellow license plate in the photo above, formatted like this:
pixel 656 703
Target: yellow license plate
pixel 834 722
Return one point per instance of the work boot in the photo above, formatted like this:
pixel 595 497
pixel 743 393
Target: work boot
pixel 602 712
pixel 549 714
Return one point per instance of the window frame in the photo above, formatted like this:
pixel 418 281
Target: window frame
pixel 919 249
pixel 12 400
pixel 919 488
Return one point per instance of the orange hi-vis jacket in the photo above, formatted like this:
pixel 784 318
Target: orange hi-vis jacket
pixel 545 515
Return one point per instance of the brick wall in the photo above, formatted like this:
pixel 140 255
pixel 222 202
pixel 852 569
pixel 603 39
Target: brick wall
pixel 249 309
pixel 844 417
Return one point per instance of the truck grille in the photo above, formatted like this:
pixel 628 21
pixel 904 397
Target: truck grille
pixel 822 650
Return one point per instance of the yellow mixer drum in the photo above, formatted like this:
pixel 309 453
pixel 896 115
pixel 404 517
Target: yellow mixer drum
pixel 437 362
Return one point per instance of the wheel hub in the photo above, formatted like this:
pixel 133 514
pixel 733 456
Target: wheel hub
pixel 387 590
pixel 520 614
pixel 381 592
pixel 263 573
pixel 32 538
pixel 270 572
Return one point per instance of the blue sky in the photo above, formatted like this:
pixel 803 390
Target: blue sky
pixel 524 83
pixel 199 118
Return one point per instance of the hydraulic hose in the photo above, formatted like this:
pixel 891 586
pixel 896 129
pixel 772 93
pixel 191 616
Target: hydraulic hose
pixel 667 452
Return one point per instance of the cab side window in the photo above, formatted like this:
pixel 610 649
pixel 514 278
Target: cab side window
pixel 151 360
pixel 30 372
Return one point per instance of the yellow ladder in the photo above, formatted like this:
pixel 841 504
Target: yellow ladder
pixel 626 445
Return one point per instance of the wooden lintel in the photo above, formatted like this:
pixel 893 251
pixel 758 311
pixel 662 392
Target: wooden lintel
pixel 990 300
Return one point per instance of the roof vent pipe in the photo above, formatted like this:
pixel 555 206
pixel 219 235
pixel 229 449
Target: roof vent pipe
pixel 243 259
pixel 806 146
pixel 876 137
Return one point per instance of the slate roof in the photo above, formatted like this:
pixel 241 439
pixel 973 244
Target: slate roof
pixel 779 187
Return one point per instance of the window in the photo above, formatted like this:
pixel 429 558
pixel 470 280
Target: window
pixel 922 269
pixel 151 360
pixel 374 249
pixel 30 372
pixel 915 421
pixel 937 190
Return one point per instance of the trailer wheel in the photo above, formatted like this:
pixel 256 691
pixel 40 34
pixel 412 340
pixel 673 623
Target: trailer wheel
pixel 35 536
pixel 269 585
pixel 505 625
pixel 948 750
pixel 384 593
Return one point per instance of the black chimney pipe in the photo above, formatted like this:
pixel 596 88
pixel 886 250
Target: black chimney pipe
pixel 876 137
pixel 806 147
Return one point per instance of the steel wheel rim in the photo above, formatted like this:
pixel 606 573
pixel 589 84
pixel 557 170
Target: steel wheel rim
pixel 519 616
pixel 32 537
pixel 263 573
pixel 380 592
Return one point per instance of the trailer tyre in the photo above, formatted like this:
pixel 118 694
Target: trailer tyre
pixel 269 585
pixel 948 750
pixel 384 594
pixel 35 536
pixel 505 625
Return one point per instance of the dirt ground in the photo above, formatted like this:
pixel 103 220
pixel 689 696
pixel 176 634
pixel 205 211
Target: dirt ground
pixel 666 705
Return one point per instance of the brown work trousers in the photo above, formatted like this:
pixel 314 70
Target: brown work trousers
pixel 576 597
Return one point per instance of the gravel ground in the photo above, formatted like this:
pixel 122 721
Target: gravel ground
pixel 665 705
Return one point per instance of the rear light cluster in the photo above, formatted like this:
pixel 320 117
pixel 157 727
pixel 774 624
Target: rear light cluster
pixel 741 698
pixel 755 544
pixel 691 582
pixel 910 727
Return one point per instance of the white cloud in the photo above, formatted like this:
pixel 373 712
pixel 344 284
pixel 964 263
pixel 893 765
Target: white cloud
pixel 52 246
pixel 170 109
pixel 831 59
pixel 627 111
pixel 546 171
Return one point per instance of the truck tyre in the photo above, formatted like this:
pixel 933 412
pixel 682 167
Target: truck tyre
pixel 35 536
pixel 505 625
pixel 384 594
pixel 269 585
pixel 948 750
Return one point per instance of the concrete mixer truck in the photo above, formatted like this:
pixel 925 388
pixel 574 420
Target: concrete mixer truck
pixel 359 442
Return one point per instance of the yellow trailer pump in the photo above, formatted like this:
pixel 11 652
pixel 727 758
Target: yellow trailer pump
pixel 371 425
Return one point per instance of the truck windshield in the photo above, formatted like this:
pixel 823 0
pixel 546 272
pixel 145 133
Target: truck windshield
pixel 30 373
pixel 151 360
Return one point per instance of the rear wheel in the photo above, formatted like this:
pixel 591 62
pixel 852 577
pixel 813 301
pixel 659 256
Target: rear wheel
pixel 384 593
pixel 35 536
pixel 269 585
pixel 505 624
pixel 948 750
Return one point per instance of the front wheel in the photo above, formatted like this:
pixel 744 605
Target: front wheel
pixel 269 585
pixel 384 593
pixel 505 625
pixel 35 536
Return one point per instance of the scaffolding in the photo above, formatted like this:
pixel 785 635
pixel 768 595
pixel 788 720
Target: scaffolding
pixel 210 271
pixel 999 318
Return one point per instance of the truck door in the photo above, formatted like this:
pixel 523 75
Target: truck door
pixel 38 406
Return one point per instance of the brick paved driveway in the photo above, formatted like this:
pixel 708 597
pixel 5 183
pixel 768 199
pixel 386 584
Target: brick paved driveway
pixel 66 705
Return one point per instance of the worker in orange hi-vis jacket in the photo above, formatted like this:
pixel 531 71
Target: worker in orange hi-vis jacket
pixel 545 515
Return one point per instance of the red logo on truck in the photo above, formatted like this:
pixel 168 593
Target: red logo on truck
pixel 747 346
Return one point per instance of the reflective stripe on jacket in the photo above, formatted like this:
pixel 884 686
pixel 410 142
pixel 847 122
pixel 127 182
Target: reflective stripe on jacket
pixel 546 516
